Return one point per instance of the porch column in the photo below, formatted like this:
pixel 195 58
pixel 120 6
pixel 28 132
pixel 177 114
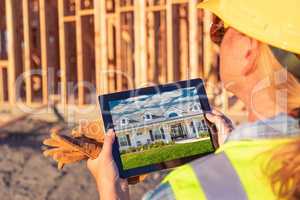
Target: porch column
pixel 195 127
pixel 128 140
pixel 167 133
pixel 187 127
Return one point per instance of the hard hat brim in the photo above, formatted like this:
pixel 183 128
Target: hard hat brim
pixel 286 38
pixel 210 5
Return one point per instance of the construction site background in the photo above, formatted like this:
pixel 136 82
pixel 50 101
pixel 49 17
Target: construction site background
pixel 57 56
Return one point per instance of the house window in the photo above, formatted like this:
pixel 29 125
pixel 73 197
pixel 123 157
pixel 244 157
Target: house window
pixel 123 141
pixel 148 141
pixel 202 126
pixel 195 108
pixel 173 114
pixel 138 143
pixel 124 121
pixel 138 133
pixel 147 116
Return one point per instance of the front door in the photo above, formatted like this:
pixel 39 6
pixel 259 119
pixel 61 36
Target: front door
pixel 177 132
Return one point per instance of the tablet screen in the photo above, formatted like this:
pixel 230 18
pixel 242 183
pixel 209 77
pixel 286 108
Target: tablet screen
pixel 155 128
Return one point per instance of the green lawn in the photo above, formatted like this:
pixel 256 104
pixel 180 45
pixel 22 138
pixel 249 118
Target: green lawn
pixel 165 153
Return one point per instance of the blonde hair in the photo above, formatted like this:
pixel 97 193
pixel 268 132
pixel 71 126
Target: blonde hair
pixel 285 178
pixel 283 170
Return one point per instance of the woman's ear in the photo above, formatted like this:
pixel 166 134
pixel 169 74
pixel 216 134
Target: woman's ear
pixel 250 56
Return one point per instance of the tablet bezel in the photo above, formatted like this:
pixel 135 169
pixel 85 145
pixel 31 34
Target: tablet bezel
pixel 108 123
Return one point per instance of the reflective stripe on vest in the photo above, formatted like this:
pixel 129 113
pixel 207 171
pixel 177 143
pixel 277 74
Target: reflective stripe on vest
pixel 218 178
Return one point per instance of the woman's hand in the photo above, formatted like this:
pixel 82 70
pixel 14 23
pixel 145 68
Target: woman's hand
pixel 105 172
pixel 222 123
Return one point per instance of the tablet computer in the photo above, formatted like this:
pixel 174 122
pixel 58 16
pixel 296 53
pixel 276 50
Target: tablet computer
pixel 157 127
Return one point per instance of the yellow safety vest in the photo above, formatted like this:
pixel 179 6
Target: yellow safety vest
pixel 234 172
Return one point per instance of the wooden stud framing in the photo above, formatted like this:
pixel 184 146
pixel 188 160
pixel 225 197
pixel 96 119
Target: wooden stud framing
pixel 63 67
pixel 85 12
pixel 180 1
pixel 207 44
pixel 154 8
pixel 11 53
pixel 1 87
pixel 14 46
pixel 193 42
pixel 3 63
pixel 140 43
pixel 127 49
pixel 151 51
pixel 80 71
pixel 101 47
pixel 170 64
pixel 118 46
pixel 44 49
pixel 171 26
pixel 69 18
pixel 27 50
pixel 163 48
pixel 126 8
pixel 183 53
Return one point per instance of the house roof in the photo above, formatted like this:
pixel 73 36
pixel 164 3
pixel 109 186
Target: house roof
pixel 159 114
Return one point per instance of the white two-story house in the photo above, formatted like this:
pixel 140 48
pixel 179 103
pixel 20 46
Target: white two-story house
pixel 149 125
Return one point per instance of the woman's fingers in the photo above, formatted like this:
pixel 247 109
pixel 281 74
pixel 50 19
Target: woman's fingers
pixel 223 124
pixel 213 118
pixel 108 143
pixel 216 112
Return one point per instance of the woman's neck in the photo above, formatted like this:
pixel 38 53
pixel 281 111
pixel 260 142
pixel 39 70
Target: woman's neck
pixel 262 105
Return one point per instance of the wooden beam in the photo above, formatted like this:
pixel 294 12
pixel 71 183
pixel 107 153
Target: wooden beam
pixel 155 8
pixel 151 48
pixel 127 48
pixel 179 1
pixel 10 47
pixel 183 52
pixel 200 42
pixel 162 48
pixel 118 68
pixel 27 50
pixel 101 47
pixel 3 63
pixel 1 87
pixel 85 12
pixel 44 49
pixel 80 70
pixel 170 64
pixel 193 41
pixel 126 9
pixel 13 10
pixel 62 51
pixel 52 43
pixel 207 44
pixel 69 18
pixel 140 54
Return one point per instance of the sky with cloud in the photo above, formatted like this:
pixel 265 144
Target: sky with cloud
pixel 134 104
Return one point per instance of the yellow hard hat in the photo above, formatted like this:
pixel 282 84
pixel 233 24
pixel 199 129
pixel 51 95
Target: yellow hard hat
pixel 275 22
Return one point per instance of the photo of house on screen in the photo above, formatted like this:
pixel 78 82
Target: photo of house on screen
pixel 168 117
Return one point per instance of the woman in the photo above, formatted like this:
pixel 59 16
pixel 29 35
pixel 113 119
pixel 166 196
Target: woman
pixel 256 54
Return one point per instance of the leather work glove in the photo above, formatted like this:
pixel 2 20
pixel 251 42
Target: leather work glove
pixel 66 150
pixel 85 142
